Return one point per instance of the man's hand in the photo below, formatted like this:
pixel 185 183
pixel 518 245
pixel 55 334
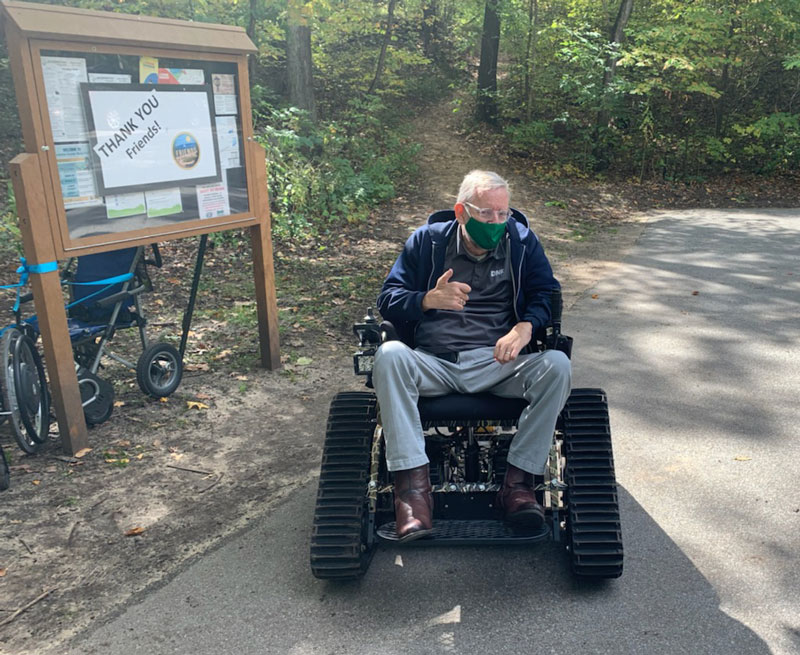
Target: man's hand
pixel 509 346
pixel 446 294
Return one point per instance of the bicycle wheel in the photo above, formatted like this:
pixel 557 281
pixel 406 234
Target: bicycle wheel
pixel 30 387
pixel 7 344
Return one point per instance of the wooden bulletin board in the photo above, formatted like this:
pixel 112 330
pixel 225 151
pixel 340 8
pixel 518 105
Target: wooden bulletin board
pixel 136 130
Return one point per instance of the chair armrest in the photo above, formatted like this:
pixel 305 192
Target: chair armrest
pixel 388 332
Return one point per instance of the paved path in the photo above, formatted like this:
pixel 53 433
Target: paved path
pixel 695 338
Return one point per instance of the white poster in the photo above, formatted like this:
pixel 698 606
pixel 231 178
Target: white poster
pixel 228 142
pixel 151 137
pixel 163 202
pixel 181 76
pixel 109 78
pixel 75 172
pixel 125 204
pixel 224 93
pixel 212 200
pixel 62 79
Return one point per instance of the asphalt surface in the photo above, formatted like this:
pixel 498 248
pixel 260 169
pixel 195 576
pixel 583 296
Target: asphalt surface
pixel 695 338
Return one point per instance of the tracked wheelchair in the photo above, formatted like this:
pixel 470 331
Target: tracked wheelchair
pixel 467 439
pixel 105 291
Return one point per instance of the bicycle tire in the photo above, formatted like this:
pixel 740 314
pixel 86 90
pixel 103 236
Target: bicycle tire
pixel 30 387
pixel 7 344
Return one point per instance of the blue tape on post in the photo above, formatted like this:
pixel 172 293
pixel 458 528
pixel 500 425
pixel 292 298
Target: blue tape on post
pixel 47 267
pixel 24 273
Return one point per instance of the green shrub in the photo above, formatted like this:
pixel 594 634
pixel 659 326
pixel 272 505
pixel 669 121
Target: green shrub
pixel 332 171
pixel 771 143
pixel 10 236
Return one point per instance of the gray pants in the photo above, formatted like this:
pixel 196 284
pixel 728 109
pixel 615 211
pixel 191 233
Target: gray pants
pixel 401 375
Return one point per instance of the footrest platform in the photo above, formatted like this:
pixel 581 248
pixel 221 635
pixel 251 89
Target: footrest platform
pixel 469 533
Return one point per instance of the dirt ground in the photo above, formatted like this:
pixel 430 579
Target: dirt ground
pixel 166 481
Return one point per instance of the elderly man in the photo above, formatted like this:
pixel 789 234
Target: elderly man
pixel 469 290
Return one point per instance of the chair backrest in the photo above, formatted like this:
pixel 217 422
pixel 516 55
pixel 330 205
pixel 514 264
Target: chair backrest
pixel 100 266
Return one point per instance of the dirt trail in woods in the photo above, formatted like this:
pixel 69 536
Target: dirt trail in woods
pixel 183 478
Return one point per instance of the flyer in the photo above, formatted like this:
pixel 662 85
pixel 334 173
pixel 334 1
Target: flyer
pixel 110 78
pixel 78 187
pixel 163 202
pixel 224 93
pixel 62 78
pixel 148 70
pixel 125 204
pixel 212 200
pixel 181 76
pixel 228 142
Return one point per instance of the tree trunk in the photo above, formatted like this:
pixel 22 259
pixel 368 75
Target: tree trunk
pixel 725 83
pixel 617 36
pixel 298 59
pixel 530 54
pixel 487 69
pixel 387 37
pixel 430 13
pixel 251 32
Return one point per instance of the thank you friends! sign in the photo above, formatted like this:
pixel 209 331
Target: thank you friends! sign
pixel 146 137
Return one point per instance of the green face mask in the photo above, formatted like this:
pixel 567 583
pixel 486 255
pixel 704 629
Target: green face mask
pixel 485 235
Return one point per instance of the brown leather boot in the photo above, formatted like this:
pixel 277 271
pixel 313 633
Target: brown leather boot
pixel 517 500
pixel 413 503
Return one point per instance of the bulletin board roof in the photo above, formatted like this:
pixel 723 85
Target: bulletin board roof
pixel 69 24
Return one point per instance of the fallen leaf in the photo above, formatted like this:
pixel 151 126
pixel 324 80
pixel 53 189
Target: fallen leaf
pixel 3 573
pixel 303 361
pixel 82 452
pixel 742 458
pixel 134 531
pixel 173 280
pixel 37 482
pixel 194 404
pixel 242 377
pixel 595 296
pixel 222 355
pixel 119 403
pixel 176 456
pixel 124 443
pixel 163 399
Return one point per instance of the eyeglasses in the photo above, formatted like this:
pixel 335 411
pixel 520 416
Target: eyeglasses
pixel 488 214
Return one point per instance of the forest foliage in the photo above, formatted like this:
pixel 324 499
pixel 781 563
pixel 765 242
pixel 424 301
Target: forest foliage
pixel 646 89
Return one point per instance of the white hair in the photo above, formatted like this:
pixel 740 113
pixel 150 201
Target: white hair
pixel 478 181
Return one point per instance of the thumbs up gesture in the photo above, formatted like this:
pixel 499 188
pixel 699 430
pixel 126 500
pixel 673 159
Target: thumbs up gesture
pixel 446 294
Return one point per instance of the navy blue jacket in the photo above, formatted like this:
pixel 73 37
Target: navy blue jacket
pixel 421 264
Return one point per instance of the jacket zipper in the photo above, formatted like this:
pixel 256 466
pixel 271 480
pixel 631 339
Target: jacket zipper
pixel 430 277
pixel 514 280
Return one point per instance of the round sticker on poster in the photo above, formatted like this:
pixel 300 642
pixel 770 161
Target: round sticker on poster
pixel 185 150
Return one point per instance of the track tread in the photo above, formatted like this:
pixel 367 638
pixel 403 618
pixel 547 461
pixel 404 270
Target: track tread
pixel 595 535
pixel 336 539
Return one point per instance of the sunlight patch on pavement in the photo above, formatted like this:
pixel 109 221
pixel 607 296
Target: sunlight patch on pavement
pixel 453 616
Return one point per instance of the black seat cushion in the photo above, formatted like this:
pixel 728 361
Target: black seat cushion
pixel 456 407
